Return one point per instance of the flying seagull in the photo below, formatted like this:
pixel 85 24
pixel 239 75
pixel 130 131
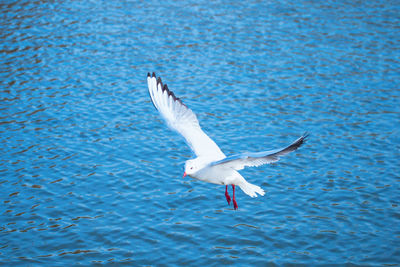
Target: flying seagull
pixel 211 164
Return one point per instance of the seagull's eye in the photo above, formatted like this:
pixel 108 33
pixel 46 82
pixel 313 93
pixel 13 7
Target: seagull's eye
pixel 191 168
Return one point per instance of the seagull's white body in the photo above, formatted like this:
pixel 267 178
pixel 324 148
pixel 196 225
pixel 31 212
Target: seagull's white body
pixel 211 164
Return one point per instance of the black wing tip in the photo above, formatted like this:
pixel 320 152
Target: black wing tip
pixel 164 87
pixel 296 144
pixel 299 141
pixel 170 93
pixel 305 136
pixel 159 81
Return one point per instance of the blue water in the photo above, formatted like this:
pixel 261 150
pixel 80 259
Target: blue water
pixel 89 172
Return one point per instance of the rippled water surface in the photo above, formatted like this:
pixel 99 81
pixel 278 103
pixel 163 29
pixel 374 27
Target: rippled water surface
pixel 89 173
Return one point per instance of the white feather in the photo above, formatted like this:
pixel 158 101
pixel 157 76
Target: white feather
pixel 181 119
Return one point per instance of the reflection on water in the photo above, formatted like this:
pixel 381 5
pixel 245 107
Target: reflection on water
pixel 90 174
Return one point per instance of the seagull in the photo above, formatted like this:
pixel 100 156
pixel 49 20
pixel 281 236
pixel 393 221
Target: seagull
pixel 211 165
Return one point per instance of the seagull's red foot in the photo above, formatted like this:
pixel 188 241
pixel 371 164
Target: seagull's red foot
pixel 235 205
pixel 228 198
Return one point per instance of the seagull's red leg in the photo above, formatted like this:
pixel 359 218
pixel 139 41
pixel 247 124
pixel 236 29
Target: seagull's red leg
pixel 228 198
pixel 234 199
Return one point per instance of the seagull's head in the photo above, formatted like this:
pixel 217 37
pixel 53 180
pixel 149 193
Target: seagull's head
pixel 190 168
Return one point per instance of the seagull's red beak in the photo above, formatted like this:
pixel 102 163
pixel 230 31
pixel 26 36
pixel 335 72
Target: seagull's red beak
pixel 184 174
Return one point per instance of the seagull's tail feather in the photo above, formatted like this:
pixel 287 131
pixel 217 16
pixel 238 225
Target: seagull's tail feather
pixel 251 189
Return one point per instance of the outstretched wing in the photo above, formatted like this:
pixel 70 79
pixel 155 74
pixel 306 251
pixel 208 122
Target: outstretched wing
pixel 238 162
pixel 181 119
